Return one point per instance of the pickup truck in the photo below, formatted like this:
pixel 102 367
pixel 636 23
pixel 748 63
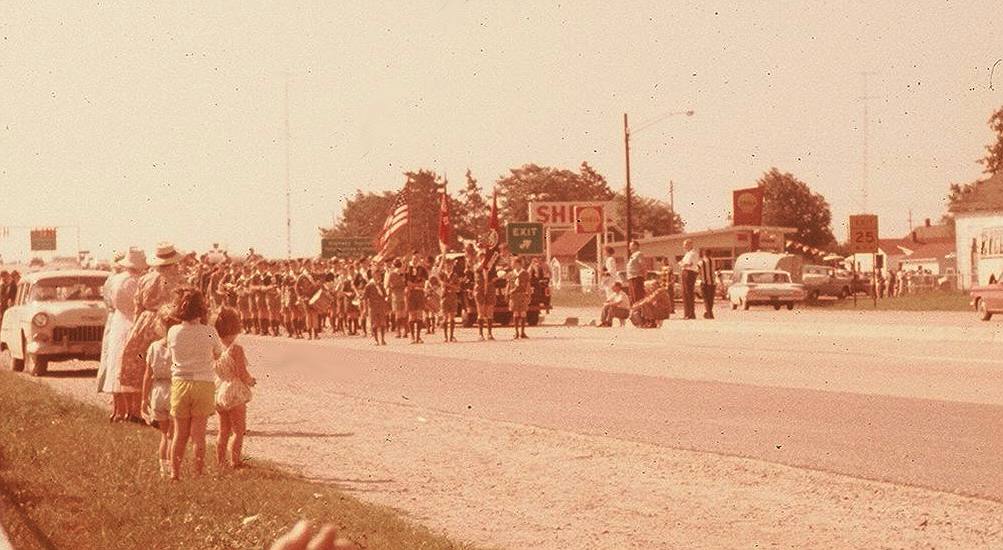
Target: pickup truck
pixel 988 300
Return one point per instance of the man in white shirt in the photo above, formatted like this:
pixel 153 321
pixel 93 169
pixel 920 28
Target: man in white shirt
pixel 689 266
pixel 617 306
pixel 635 272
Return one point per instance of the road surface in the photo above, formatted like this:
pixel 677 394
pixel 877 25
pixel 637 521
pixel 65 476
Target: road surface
pixel 805 428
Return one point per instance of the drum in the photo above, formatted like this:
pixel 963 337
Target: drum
pixel 320 301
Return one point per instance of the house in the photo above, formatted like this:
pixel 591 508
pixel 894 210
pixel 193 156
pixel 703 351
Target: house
pixel 978 209
pixel 930 246
pixel 575 252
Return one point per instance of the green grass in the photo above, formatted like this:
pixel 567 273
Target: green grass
pixel 69 479
pixel 930 301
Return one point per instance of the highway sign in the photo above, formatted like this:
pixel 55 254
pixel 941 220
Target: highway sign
pixel 43 239
pixel 864 234
pixel 347 247
pixel 524 238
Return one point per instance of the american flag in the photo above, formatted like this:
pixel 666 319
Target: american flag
pixel 397 219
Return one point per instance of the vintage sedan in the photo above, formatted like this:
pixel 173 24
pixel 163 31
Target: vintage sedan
pixel 765 288
pixel 988 299
pixel 56 316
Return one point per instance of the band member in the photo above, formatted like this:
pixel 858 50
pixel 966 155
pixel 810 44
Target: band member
pixel 451 289
pixel 375 299
pixel 518 296
pixel 291 306
pixel 244 306
pixel 484 295
pixel 433 303
pixel 273 299
pixel 259 307
pixel 416 276
pixel 306 287
pixel 707 287
pixel 688 269
pixel 397 287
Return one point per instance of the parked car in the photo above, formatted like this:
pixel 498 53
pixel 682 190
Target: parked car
pixel 725 278
pixel 770 261
pixel 762 287
pixel 56 316
pixel 822 280
pixel 988 300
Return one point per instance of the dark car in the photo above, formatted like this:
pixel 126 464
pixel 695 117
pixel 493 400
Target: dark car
pixel 539 301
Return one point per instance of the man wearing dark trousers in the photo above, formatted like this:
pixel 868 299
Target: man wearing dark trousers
pixel 635 272
pixel 688 269
pixel 707 287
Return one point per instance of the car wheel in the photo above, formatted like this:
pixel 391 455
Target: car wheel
pixel 813 297
pixel 984 314
pixel 36 365
pixel 734 306
pixel 776 307
pixel 790 306
pixel 844 293
pixel 745 305
pixel 7 361
pixel 468 320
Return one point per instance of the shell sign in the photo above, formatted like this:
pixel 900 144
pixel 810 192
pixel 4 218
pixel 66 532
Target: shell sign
pixel 748 205
pixel 589 219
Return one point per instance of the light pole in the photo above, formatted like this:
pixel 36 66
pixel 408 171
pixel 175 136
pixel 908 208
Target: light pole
pixel 628 196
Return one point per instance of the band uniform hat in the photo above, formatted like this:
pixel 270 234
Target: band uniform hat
pixel 134 259
pixel 166 255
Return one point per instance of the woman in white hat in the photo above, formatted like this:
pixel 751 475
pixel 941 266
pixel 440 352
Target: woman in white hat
pixel 122 299
pixel 154 290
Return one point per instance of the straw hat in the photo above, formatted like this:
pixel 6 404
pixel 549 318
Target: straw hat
pixel 166 255
pixel 134 259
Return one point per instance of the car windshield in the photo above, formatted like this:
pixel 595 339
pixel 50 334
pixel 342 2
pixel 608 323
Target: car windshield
pixel 769 278
pixel 58 289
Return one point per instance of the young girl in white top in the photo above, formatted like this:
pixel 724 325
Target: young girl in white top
pixel 157 389
pixel 233 389
pixel 194 347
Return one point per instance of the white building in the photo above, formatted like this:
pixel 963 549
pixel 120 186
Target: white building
pixel 978 210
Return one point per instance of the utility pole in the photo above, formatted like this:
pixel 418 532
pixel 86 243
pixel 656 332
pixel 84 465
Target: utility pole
pixel 626 151
pixel 672 198
pixel 864 186
pixel 910 220
pixel 289 222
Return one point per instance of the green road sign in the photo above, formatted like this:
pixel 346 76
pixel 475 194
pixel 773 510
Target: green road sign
pixel 524 238
pixel 347 247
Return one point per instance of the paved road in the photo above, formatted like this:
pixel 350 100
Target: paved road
pixel 898 413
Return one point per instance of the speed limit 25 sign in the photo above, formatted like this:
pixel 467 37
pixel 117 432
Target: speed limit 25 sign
pixel 864 234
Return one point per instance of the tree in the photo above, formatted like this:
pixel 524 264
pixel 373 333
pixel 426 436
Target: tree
pixel 543 183
pixel 649 215
pixel 363 215
pixel 789 202
pixel 993 161
pixel 472 215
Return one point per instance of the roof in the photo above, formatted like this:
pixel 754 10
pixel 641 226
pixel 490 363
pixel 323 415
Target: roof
pixel 729 229
pixel 983 196
pixel 897 246
pixel 930 233
pixel 51 274
pixel 570 243
pixel 931 251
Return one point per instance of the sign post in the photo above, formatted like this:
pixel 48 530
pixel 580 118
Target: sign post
pixel 592 220
pixel 524 238
pixel 864 240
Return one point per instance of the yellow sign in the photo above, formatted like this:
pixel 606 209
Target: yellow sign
pixel 864 234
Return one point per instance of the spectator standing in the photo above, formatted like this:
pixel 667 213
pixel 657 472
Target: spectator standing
pixel 688 269
pixel 635 272
pixel 610 264
pixel 708 286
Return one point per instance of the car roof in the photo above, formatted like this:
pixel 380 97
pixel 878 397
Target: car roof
pixel 762 271
pixel 58 273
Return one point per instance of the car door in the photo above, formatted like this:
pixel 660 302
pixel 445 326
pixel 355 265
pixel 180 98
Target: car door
pixel 994 297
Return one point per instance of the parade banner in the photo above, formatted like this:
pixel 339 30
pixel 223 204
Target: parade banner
pixel 748 206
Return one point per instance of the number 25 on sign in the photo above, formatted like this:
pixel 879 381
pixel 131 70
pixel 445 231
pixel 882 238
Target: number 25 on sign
pixel 864 234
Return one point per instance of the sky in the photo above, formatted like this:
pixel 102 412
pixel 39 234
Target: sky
pixel 138 122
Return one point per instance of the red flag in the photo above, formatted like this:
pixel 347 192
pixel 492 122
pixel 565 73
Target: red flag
pixel 491 240
pixel 445 227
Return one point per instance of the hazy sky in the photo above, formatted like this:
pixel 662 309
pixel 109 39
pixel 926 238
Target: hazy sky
pixel 142 122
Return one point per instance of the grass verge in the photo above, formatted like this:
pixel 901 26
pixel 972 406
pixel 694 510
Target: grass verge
pixel 68 479
pixel 930 301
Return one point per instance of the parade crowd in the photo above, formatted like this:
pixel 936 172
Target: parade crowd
pixel 169 353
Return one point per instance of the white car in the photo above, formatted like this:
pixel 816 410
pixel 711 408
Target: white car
pixel 56 316
pixel 765 288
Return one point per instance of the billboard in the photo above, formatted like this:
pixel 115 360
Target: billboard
pixel 43 239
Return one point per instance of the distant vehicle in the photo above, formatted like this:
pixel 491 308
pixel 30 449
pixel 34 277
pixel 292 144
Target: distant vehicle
pixel 770 261
pixel 762 287
pixel 822 280
pixel 56 316
pixel 725 278
pixel 988 299
pixel 36 262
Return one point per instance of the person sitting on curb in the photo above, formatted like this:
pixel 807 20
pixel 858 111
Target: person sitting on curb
pixel 617 306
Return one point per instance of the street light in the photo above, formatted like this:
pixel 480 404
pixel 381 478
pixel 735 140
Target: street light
pixel 626 151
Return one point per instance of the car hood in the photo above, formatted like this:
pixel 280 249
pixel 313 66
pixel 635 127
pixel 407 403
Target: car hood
pixel 89 312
